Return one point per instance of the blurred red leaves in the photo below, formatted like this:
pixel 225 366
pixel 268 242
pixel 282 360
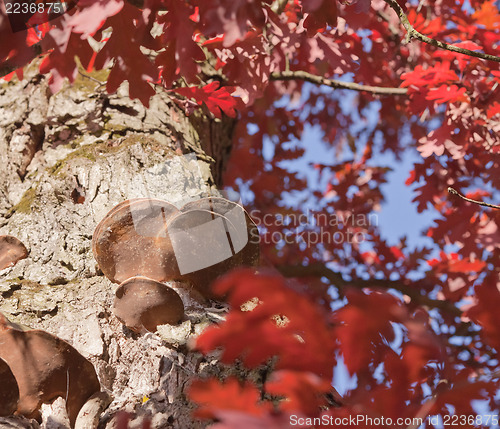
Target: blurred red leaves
pixel 275 327
pixel 271 323
pixel 213 397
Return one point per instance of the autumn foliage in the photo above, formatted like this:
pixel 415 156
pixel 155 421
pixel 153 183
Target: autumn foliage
pixel 417 327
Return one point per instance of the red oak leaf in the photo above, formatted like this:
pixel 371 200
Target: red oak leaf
pixel 216 99
pixel 92 14
pixel 493 109
pixel 182 53
pixel 231 17
pixel 488 15
pixel 485 312
pixel 130 64
pixel 422 348
pixel 363 324
pixel 411 178
pixel 455 264
pixel 65 45
pixel 321 13
pixel 213 396
pixel 19 73
pixel 431 76
pixel 396 251
pixel 446 94
pixel 424 26
pixel 303 392
pixel 34 36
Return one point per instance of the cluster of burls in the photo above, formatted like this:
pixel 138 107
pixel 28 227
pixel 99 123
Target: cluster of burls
pixel 35 366
pixel 140 244
pixel 143 243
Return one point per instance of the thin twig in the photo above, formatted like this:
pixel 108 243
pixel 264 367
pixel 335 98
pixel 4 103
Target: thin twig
pixel 92 78
pixel 479 203
pixel 333 83
pixel 412 33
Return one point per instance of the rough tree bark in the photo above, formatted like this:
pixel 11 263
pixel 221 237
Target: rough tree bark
pixel 66 160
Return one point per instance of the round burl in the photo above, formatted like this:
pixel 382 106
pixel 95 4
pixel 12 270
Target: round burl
pixel 143 304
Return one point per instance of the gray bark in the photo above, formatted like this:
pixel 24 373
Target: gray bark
pixel 66 160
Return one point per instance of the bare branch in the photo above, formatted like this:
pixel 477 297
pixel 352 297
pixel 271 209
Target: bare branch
pixel 91 78
pixel 321 270
pixel 479 203
pixel 412 33
pixel 333 83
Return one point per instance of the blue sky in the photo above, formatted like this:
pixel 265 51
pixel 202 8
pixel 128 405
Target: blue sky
pixel 398 215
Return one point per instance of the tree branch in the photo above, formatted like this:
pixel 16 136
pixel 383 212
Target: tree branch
pixel 321 270
pixel 412 33
pixel 479 203
pixel 318 80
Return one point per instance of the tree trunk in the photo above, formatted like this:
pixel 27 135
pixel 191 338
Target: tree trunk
pixel 67 159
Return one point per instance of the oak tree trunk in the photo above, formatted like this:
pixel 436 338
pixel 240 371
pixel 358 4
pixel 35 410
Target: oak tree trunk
pixel 66 160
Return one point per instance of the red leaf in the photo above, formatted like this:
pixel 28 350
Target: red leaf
pixel 231 17
pixel 92 14
pixel 493 109
pixel 61 62
pixel 182 53
pixel 446 94
pixel 216 99
pixel 454 264
pixel 130 64
pixel 213 396
pixel 304 392
pixel 488 15
pixel 19 73
pixel 485 312
pixel 422 348
pixel 34 36
pixel 424 26
pixel 320 14
pixel 396 251
pixel 431 76
pixel 364 323
pixel 466 266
